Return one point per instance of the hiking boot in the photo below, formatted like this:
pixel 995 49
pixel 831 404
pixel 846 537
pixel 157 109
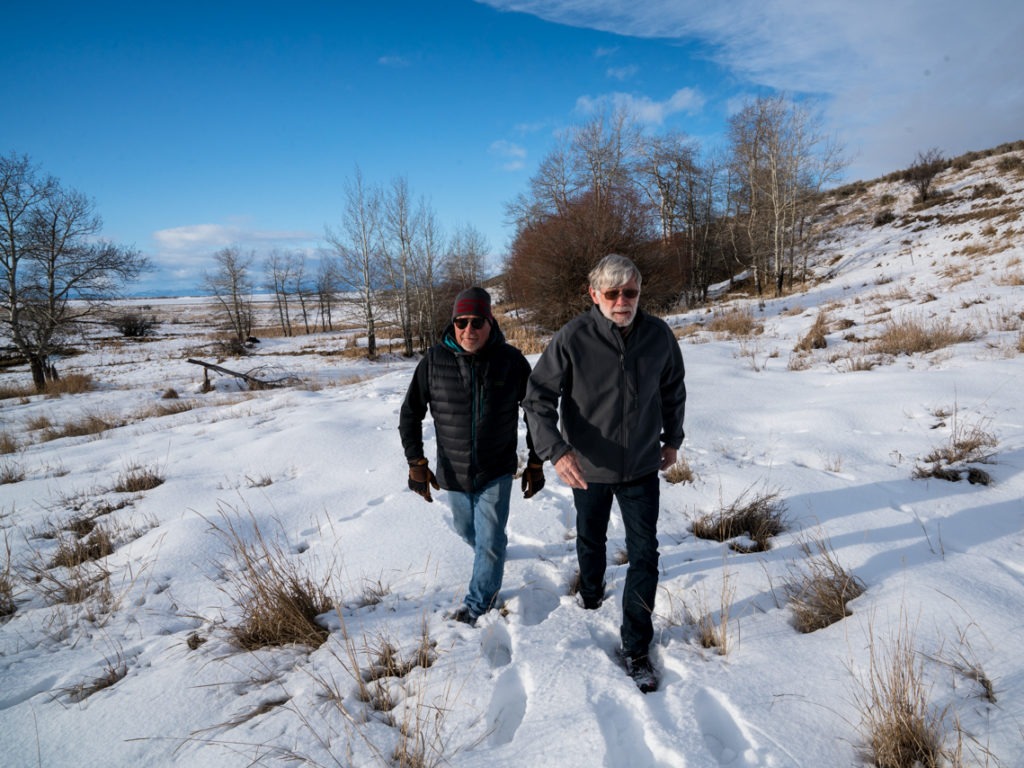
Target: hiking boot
pixel 465 615
pixel 644 675
pixel 592 603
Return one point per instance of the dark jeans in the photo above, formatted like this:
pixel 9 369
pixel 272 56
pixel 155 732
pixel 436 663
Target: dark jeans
pixel 638 503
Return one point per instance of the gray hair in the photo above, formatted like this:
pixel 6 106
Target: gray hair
pixel 613 270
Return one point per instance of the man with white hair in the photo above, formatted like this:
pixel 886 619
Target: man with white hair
pixel 613 378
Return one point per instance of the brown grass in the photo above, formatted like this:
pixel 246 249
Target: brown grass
pixel 680 472
pixel 114 671
pixel 8 444
pixel 88 424
pixel 526 340
pixel 969 442
pixel 909 335
pixel 1011 278
pixel 820 588
pixel 11 472
pixel 70 384
pixel 135 478
pixel 815 337
pixel 737 322
pixel 279 604
pixel 713 632
pixel 901 728
pixel 73 551
pixel 760 518
pixel 8 606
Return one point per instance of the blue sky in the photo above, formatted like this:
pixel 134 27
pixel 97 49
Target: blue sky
pixel 199 125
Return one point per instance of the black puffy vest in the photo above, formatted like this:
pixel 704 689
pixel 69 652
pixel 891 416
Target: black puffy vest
pixel 474 400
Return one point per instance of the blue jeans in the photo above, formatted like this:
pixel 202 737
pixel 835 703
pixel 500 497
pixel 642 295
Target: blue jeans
pixel 480 520
pixel 638 503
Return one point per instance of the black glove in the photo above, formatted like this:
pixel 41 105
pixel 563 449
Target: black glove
pixel 533 479
pixel 421 478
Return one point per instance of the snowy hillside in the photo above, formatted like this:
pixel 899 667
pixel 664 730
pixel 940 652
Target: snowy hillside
pixel 133 658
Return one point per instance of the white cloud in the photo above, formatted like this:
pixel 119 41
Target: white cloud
pixel 513 154
pixel 896 77
pixel 182 254
pixel 622 73
pixel 643 108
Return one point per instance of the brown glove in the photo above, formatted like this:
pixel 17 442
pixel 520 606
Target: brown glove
pixel 421 478
pixel 533 479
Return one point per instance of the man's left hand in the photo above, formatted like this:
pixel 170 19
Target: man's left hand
pixel 533 479
pixel 668 457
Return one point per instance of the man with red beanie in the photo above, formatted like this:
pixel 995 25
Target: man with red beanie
pixel 473 382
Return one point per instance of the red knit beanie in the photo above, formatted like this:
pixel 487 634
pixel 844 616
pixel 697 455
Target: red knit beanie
pixel 473 301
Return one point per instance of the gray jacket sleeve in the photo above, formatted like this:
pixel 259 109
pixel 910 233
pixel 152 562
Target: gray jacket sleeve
pixel 545 387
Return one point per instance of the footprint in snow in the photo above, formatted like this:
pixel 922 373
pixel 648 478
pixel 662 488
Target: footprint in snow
pixel 496 645
pixel 508 707
pixel 726 736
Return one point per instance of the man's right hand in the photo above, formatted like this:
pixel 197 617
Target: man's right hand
pixel 421 478
pixel 569 470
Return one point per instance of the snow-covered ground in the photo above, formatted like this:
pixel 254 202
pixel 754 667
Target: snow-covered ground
pixel 838 433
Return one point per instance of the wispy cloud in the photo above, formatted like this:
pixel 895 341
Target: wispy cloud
pixel 622 73
pixel 397 62
pixel 643 108
pixel 895 77
pixel 512 154
pixel 181 255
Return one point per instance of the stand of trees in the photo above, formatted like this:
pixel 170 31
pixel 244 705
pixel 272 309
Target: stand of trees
pixel 686 220
pixel 391 258
pixel 54 272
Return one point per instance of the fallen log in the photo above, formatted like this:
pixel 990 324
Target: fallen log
pixel 255 382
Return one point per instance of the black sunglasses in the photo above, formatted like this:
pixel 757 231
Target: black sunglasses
pixel 613 294
pixel 476 322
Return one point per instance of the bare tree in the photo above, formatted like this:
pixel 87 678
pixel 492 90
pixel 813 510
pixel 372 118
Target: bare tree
pixel 465 258
pixel 300 288
pixel 326 289
pixel 277 268
pixel 231 285
pixel 54 272
pixel 400 227
pixel 923 171
pixel 358 251
pixel 779 160
pixel 429 251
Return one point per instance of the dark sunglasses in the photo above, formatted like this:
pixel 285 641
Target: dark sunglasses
pixel 476 322
pixel 613 294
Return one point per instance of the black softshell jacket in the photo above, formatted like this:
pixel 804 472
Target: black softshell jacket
pixel 618 398
pixel 474 401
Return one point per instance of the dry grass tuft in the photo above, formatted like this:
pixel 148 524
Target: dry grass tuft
pixel 820 588
pixel 523 338
pixel 70 384
pixel 7 603
pixel 88 424
pixel 900 727
pixel 11 472
pixel 373 592
pixel 8 444
pixel 909 335
pixel 135 478
pixel 738 322
pixel 279 604
pixel 815 337
pixel 713 632
pixel 968 442
pixel 73 551
pixel 760 518
pixel 680 472
pixel 114 671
